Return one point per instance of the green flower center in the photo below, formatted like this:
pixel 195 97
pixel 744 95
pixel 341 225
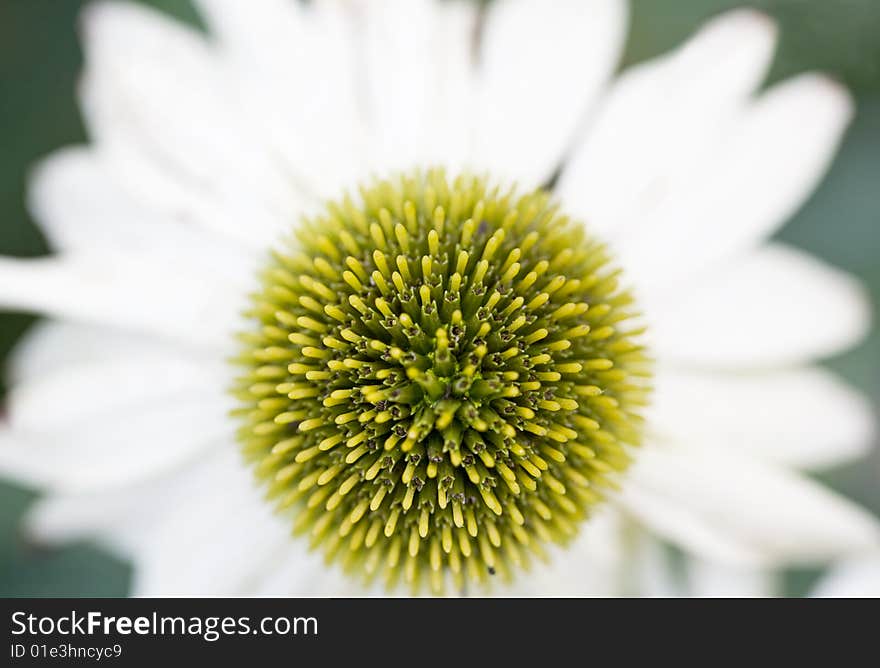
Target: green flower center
pixel 442 377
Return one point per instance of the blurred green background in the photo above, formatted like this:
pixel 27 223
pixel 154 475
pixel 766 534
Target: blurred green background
pixel 39 63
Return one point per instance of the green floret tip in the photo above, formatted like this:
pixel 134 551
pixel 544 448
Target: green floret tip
pixel 442 378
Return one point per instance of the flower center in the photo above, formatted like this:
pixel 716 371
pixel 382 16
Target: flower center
pixel 441 379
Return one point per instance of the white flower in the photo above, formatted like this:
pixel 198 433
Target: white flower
pixel 205 148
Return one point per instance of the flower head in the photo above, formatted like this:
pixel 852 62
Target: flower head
pixel 444 376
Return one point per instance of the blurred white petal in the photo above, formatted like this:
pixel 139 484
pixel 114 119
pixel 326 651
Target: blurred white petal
pixel 775 306
pixel 419 70
pixel 661 120
pixel 682 525
pixel 293 68
pixel 161 112
pixel 852 578
pixel 540 73
pixel 200 530
pixel 52 346
pixel 128 291
pixel 116 449
pixel 589 566
pixel 118 519
pixel 710 579
pixel 81 206
pixel 777 515
pixel 216 536
pixel 805 418
pixel 125 516
pixel 764 166
pixel 58 400
pixel 302 572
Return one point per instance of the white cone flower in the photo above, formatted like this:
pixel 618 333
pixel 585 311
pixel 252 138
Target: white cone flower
pixel 205 152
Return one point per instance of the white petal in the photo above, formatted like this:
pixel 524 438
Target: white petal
pixel 764 166
pixel 803 417
pixel 778 516
pixel 852 578
pixel 774 306
pixel 119 448
pixel 450 136
pixel 131 291
pixel 590 566
pixel 295 67
pixel 660 120
pixel 94 407
pixel 199 530
pixel 711 579
pixel 217 542
pixel 117 520
pixel 157 104
pixel 80 206
pixel 50 346
pixel 542 67
pixel 418 77
pixel 683 526
pixel 398 56
pixel 94 390
pixel 123 517
pixel 648 569
pixel 299 571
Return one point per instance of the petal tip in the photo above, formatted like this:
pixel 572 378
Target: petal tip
pixel 747 20
pixel 835 91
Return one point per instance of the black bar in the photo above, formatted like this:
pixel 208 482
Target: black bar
pixel 408 632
